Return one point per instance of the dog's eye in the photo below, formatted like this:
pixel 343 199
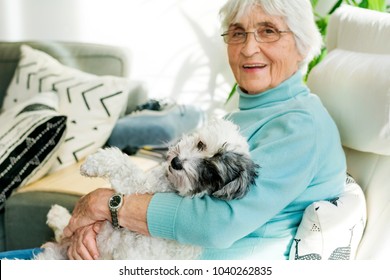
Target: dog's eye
pixel 201 146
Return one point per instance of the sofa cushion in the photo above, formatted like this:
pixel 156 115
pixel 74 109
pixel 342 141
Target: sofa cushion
pixel 91 103
pixel 332 230
pixel 30 211
pixel 155 128
pixel 30 135
pixel 360 108
pixel 92 58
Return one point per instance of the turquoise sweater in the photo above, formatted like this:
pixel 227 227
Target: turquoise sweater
pixel 296 143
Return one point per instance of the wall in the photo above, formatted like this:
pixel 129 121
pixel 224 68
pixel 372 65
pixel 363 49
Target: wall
pixel 176 47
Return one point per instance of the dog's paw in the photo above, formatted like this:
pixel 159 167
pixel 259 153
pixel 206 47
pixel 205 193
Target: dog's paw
pixel 102 163
pixel 57 219
pixel 90 168
pixel 88 171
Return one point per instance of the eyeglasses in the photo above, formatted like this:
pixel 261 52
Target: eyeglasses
pixel 264 34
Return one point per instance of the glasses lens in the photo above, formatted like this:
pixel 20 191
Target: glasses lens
pixel 234 37
pixel 267 34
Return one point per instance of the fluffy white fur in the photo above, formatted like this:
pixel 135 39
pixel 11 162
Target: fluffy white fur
pixel 214 160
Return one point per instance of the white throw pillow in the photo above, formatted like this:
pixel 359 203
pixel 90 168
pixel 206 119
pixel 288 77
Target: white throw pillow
pixel 30 135
pixel 332 230
pixel 91 103
pixel 360 105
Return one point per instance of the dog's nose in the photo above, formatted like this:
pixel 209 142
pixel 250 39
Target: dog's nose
pixel 176 163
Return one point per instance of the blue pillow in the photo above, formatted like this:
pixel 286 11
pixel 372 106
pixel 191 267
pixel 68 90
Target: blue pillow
pixel 155 128
pixel 23 254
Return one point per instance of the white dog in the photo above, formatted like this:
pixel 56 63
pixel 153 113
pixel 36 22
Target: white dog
pixel 214 161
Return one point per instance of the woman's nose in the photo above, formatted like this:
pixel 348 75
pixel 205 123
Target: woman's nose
pixel 251 46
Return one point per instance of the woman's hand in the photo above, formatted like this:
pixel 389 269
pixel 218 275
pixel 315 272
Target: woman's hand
pixel 83 243
pixel 90 213
pixel 91 208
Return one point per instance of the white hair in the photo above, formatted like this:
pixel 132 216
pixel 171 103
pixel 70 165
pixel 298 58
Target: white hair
pixel 297 14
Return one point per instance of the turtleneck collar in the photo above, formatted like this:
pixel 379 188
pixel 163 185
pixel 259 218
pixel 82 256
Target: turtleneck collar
pixel 288 89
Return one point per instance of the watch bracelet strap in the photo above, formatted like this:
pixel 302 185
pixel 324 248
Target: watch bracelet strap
pixel 114 218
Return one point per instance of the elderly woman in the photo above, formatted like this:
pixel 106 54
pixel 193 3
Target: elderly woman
pixel 291 136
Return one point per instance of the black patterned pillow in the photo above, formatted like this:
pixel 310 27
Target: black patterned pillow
pixel 30 135
pixel 91 103
pixel 332 230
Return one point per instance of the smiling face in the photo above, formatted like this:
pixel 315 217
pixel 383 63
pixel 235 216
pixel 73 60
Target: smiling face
pixel 256 66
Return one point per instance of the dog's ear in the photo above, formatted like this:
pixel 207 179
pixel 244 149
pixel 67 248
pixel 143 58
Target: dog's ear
pixel 239 172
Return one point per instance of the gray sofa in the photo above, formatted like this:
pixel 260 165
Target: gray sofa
pixel 23 219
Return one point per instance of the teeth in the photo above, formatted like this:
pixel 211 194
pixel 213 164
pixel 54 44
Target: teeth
pixel 254 65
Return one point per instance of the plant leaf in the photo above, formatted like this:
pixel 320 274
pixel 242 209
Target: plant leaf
pixel 364 4
pixel 378 5
pixel 231 93
pixel 314 3
pixel 334 8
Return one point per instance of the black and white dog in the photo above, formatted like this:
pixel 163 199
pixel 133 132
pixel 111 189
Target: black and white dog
pixel 214 161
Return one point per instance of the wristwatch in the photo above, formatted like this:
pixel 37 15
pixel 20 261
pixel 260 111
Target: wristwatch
pixel 114 204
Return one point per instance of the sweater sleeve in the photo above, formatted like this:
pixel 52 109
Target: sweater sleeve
pixel 285 149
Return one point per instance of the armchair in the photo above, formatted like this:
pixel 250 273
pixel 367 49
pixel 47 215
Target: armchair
pixel 353 82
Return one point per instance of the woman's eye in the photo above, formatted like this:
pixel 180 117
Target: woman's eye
pixel 267 31
pixel 270 30
pixel 201 146
pixel 238 34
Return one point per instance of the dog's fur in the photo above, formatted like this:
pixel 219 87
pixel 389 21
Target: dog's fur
pixel 214 161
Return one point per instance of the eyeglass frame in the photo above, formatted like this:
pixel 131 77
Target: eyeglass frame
pixel 254 34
